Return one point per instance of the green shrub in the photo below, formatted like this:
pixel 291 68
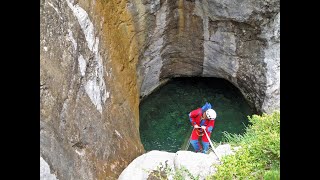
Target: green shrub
pixel 259 155
pixel 163 171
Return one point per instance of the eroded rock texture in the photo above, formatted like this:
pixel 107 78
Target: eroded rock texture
pixel 89 125
pixel 99 57
pixel 235 40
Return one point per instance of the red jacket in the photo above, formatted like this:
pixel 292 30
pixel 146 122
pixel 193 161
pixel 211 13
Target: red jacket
pixel 195 119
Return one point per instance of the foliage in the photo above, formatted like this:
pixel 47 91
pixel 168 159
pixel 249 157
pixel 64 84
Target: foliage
pixel 163 171
pixel 259 155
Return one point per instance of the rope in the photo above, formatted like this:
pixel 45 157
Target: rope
pixel 211 145
pixel 188 144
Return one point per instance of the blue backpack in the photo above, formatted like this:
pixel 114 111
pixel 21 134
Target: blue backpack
pixel 206 107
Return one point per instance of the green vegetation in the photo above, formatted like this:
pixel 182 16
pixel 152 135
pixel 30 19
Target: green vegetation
pixel 259 155
pixel 163 171
pixel 257 158
pixel 165 126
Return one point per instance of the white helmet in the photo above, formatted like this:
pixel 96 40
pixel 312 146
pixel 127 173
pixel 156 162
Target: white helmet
pixel 211 114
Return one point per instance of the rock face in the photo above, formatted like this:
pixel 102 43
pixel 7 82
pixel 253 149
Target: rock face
pixel 45 171
pixel 198 164
pixel 235 40
pixel 89 108
pixel 98 57
pixel 141 167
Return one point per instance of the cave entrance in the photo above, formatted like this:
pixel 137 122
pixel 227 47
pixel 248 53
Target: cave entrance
pixel 164 121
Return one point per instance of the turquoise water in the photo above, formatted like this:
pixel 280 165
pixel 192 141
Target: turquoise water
pixel 164 121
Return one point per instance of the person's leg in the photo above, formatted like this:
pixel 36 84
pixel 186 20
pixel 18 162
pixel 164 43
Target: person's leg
pixel 205 143
pixel 195 142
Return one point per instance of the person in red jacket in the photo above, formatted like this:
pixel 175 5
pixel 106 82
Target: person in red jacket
pixel 202 119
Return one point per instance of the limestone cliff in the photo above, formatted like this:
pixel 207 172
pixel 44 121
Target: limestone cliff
pixel 235 40
pixel 98 57
pixel 89 116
